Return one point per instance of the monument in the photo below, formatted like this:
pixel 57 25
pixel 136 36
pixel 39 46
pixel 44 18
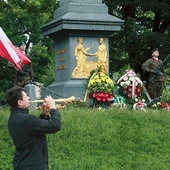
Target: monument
pixel 80 30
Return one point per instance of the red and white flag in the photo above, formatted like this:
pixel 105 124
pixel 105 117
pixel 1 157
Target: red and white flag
pixel 9 52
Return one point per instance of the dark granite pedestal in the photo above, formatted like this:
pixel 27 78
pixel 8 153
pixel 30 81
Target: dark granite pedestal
pixel 77 18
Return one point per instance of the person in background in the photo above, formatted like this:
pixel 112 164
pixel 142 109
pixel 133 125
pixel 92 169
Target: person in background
pixel 155 81
pixel 22 47
pixel 24 76
pixel 28 132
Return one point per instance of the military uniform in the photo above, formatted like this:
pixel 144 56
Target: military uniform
pixel 22 77
pixel 154 85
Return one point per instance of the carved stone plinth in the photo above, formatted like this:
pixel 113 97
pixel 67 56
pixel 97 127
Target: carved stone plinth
pixel 73 19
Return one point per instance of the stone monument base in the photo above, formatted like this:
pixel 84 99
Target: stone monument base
pixel 65 89
pixel 33 92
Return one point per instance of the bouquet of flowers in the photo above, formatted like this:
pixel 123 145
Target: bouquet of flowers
pixel 161 105
pixel 139 105
pixel 99 88
pixel 131 85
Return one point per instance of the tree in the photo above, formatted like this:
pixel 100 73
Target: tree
pixel 25 17
pixel 146 27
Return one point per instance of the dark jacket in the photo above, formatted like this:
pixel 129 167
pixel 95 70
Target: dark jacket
pixel 28 135
pixel 151 66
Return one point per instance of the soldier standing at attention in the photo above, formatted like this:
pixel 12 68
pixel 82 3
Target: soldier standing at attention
pixel 154 85
pixel 24 76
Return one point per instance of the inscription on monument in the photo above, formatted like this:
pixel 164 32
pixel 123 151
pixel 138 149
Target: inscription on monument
pixel 61 51
pixel 62 67
pixel 62 59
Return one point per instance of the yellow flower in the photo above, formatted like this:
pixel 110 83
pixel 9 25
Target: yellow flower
pixel 96 77
pixel 103 78
pixel 102 74
pixel 92 81
pixel 109 81
pixel 98 80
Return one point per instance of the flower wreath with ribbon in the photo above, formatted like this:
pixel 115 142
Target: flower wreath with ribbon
pixel 130 84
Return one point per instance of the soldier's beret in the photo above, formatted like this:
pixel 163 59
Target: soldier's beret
pixel 20 43
pixel 155 49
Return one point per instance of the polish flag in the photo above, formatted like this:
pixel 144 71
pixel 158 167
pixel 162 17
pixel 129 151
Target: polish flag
pixel 9 52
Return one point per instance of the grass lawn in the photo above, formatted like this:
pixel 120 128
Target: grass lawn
pixel 109 139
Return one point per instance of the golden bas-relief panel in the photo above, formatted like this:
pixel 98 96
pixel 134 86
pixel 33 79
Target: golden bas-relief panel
pixel 84 67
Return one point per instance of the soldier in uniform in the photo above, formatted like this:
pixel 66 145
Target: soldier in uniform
pixel 155 81
pixel 24 76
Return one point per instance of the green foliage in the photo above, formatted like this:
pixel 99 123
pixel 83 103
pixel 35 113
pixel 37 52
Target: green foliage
pixel 77 104
pixel 108 139
pixel 146 27
pixel 19 17
pixel 6 144
pixel 39 58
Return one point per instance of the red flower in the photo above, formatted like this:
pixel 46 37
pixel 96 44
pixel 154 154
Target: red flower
pixel 98 94
pixel 98 98
pixel 168 106
pixel 94 94
pixel 108 99
pixel 163 104
pixel 129 88
pixel 102 94
pixel 106 95
pixel 111 96
pixel 124 88
pixel 103 99
pixel 138 89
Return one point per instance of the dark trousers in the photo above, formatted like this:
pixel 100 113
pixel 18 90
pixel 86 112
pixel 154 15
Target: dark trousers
pixel 155 89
